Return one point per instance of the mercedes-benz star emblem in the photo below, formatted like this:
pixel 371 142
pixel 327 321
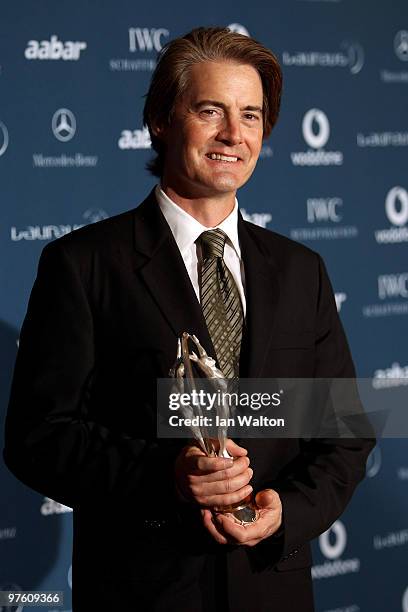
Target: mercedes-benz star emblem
pixel 64 124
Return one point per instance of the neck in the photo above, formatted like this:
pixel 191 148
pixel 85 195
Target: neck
pixel 209 211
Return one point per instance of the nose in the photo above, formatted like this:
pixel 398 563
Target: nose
pixel 230 131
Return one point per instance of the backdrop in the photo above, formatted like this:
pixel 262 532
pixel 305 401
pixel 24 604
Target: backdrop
pixel 333 175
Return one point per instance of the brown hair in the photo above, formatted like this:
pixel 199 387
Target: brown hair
pixel 170 78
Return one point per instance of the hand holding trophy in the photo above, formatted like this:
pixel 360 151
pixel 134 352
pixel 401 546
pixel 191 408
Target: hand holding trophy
pixel 244 512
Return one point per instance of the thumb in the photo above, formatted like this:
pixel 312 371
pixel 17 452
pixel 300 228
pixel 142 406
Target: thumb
pixel 267 498
pixel 234 449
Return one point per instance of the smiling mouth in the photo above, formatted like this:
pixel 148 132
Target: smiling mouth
pixel 224 158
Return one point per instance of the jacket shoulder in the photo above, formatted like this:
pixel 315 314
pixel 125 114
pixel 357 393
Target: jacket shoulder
pixel 279 246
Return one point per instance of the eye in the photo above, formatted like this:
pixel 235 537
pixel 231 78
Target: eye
pixel 251 117
pixel 209 112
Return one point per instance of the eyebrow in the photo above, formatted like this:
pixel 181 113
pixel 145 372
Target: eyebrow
pixel 224 107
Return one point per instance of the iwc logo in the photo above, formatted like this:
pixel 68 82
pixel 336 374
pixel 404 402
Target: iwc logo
pixel 4 138
pixel 63 124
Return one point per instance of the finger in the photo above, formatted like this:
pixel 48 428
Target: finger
pixel 208 521
pixel 267 498
pixel 221 487
pixel 240 467
pixel 234 449
pixel 197 463
pixel 226 499
pixel 239 533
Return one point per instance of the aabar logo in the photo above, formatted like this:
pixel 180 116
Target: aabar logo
pixel 54 49
pixel 340 298
pixel 147 39
pixel 135 139
pixel 316 133
pixel 394 376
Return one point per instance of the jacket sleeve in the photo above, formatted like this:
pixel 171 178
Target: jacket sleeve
pixel 51 444
pixel 318 486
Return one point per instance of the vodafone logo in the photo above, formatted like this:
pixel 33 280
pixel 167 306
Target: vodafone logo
pixel 396 206
pixel 4 138
pixel 316 128
pixel 316 133
pixel 333 541
pixel 373 462
pixel 401 45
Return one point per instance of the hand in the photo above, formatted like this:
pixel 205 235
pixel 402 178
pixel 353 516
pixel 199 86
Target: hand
pixel 213 481
pixel 226 530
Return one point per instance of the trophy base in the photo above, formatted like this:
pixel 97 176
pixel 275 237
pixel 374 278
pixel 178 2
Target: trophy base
pixel 243 513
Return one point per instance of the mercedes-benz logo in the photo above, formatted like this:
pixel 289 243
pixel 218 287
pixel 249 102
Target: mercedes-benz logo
pixel 64 124
pixel 4 138
pixel 238 28
pixel 401 45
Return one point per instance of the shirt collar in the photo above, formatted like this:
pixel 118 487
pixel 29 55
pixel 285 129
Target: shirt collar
pixel 186 229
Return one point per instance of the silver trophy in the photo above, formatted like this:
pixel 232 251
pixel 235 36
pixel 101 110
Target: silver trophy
pixel 245 511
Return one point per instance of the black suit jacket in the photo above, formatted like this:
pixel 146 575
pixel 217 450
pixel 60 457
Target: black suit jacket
pixel 105 311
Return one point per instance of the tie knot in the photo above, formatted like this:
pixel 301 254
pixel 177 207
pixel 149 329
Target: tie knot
pixel 212 243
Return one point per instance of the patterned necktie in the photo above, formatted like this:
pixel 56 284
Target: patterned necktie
pixel 221 303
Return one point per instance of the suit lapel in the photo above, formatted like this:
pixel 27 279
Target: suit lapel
pixel 161 267
pixel 262 294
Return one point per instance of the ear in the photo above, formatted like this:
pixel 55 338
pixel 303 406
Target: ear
pixel 158 130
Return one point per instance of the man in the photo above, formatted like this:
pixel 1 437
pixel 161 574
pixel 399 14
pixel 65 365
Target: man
pixel 105 312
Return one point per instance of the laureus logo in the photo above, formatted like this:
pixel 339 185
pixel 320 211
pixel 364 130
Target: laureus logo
pixel 4 138
pixel 401 45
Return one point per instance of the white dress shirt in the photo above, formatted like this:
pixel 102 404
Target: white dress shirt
pixel 186 230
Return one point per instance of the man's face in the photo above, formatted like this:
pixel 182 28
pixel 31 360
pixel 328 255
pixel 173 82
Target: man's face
pixel 215 134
